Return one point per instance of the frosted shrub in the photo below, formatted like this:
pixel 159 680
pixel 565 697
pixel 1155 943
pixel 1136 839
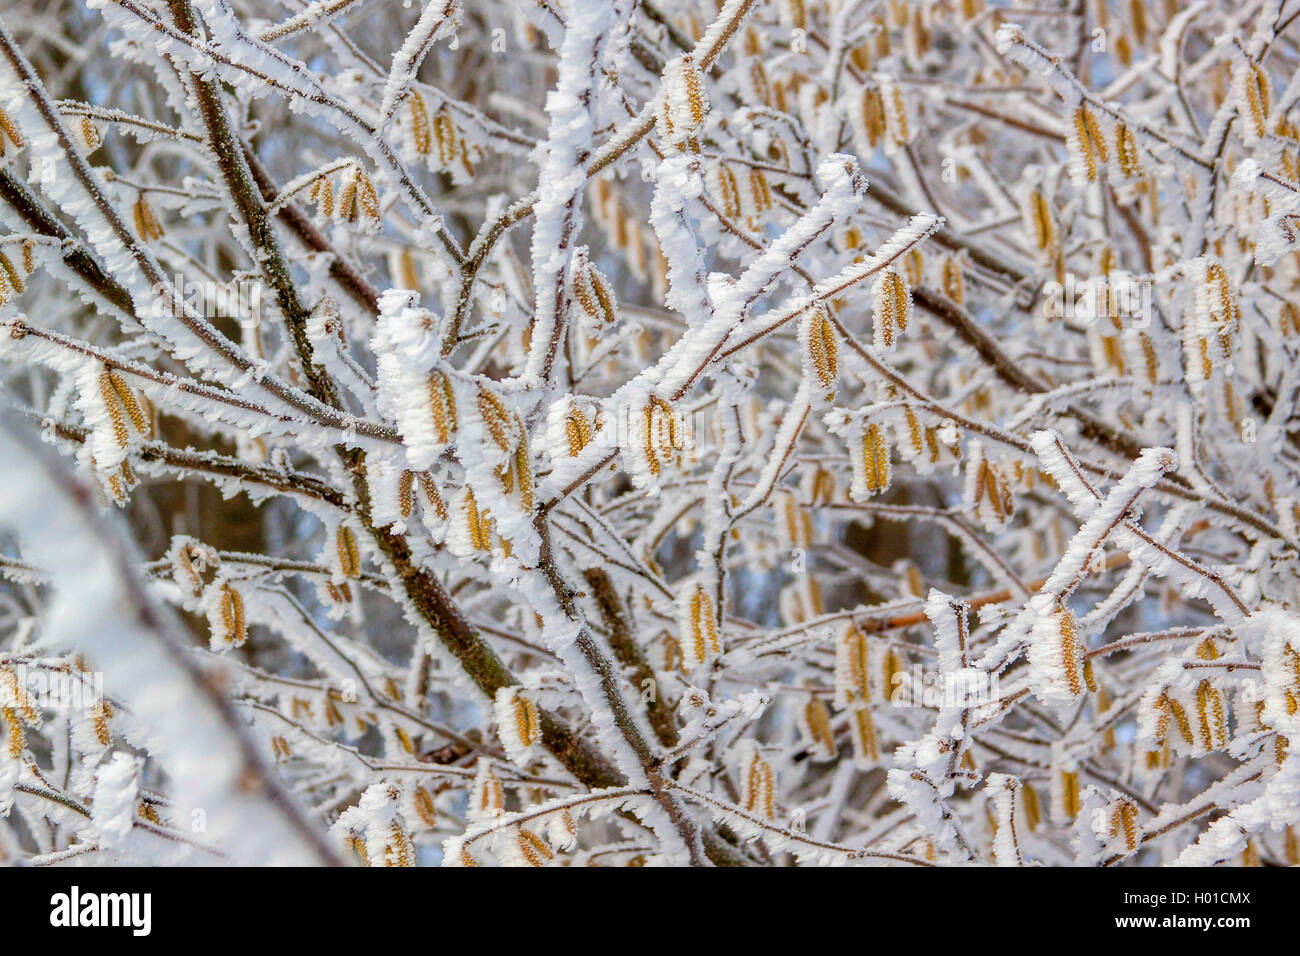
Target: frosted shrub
pixel 627 432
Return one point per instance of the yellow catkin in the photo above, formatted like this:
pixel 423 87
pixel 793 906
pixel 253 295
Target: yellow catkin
pixel 498 421
pixel 533 848
pixel 1087 141
pixel 728 191
pixel 15 736
pixel 817 721
pixel 892 307
pixel 891 670
pixel 358 846
pixel 866 743
pixel 760 192
pixel 1126 152
pixel 527 722
pixel 592 292
pixel 11 275
pixel 852 670
pixel 660 433
pixel 1151 360
pixel 100 722
pixel 9 130
pixel 872 110
pixel 522 467
pixel 398 849
pixel 1033 808
pixel 22 701
pixel 1070 652
pixel 406 494
pixel 897 124
pixel 873 460
pixel 1253 103
pixel 700 641
pixel 684 101
pixel 431 495
pixel 1040 220
pixel 478 524
pixel 421 132
pixel 231 612
pixel 442 406
pixel 1090 677
pixel 1123 822
pixel 407 274
pixel 90 136
pixel 423 805
pixel 758 787
pixel 322 192
pixel 367 198
pixel 146 223
pixel 953 279
pixel 488 798
pixel 822 348
pixel 349 555
pixel 1180 718
pixel 915 433
pixel 122 407
pixel 1070 793
pixel 795 520
pixel 693 88
pixel 1211 716
pixel 914 266
pixel 577 429
pixel 345 209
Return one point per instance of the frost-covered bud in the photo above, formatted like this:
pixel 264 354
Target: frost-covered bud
pixel 190 559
